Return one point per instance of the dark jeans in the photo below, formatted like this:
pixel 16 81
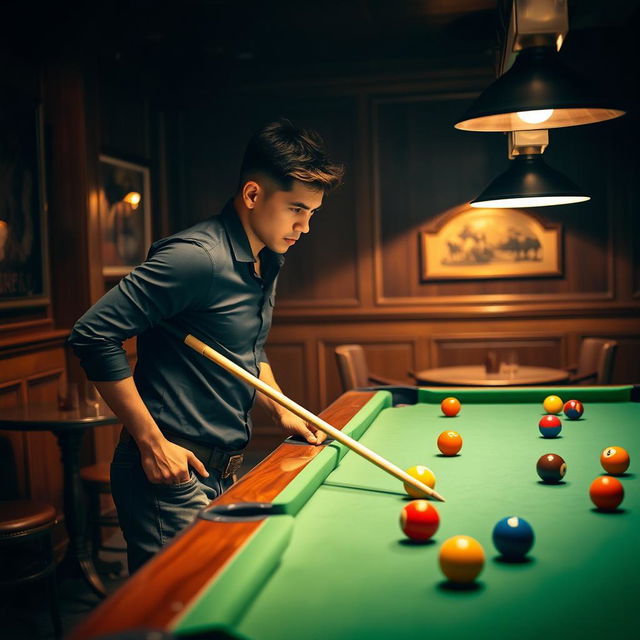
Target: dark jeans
pixel 151 514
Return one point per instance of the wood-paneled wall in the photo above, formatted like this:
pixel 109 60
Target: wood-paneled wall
pixel 356 277
pixel 85 114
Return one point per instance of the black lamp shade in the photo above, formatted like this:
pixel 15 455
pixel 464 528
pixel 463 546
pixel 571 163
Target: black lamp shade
pixel 529 182
pixel 538 80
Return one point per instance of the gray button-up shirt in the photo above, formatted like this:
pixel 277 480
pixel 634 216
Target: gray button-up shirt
pixel 202 281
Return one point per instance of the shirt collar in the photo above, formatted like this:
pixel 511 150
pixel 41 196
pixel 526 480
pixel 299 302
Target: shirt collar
pixel 240 245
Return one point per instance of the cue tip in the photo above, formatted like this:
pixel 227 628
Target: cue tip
pixel 437 496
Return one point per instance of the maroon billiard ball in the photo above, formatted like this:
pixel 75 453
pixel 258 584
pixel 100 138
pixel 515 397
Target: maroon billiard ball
pixel 551 468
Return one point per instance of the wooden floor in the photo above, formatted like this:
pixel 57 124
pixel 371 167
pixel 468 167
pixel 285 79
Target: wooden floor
pixel 25 613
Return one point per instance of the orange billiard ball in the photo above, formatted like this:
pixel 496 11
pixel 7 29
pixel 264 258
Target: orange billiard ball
pixel 461 559
pixel 450 407
pixel 425 475
pixel 419 520
pixel 614 460
pixel 606 492
pixel 449 443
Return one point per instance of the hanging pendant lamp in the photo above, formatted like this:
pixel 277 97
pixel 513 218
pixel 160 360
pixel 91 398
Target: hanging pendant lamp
pixel 529 182
pixel 538 91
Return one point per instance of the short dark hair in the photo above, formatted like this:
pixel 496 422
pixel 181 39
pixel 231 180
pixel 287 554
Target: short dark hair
pixel 285 153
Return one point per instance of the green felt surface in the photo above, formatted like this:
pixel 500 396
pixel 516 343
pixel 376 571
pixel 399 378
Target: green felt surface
pixel 348 573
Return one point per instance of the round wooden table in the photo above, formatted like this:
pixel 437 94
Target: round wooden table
pixel 476 376
pixel 69 428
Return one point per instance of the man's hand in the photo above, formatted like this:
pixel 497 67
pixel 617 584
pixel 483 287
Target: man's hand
pixel 295 425
pixel 167 463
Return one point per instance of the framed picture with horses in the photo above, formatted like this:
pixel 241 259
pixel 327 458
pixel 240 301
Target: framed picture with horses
pixel 469 243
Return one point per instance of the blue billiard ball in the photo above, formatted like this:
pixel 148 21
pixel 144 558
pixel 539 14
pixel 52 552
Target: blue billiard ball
pixel 550 426
pixel 513 537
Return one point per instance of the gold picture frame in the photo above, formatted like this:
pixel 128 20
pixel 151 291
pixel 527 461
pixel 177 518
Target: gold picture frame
pixel 470 243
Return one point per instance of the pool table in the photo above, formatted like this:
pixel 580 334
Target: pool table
pixel 331 562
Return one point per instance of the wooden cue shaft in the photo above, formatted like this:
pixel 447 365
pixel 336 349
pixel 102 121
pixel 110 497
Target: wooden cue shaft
pixel 280 398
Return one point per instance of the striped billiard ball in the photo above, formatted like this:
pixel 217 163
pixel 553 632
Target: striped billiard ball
pixel 573 409
pixel 550 426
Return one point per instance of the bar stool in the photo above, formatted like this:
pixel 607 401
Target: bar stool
pixel 96 481
pixel 23 522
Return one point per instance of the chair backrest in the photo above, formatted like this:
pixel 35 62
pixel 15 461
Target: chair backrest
pixel 597 356
pixel 606 361
pixel 352 365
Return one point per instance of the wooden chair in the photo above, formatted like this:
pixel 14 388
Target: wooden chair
pixel 595 363
pixel 354 373
pixel 26 548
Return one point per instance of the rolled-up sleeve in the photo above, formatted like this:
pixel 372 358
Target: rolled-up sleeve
pixel 177 275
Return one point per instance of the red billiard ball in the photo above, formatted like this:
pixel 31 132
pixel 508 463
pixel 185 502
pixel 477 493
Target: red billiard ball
pixel 419 520
pixel 550 426
pixel 450 407
pixel 614 460
pixel 551 468
pixel 606 492
pixel 573 409
pixel 449 443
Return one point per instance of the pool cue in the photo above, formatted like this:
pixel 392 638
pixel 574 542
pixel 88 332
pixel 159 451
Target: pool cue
pixel 280 398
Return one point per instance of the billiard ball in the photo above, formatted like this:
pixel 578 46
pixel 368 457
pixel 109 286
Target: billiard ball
pixel 450 407
pixel 461 559
pixel 550 426
pixel 551 468
pixel 614 460
pixel 573 409
pixel 419 520
pixel 449 443
pixel 553 404
pixel 425 476
pixel 513 537
pixel 606 492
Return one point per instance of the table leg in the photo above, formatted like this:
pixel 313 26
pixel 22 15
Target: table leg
pixel 78 555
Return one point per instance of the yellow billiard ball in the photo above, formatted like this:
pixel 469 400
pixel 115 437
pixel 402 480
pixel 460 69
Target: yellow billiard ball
pixel 553 404
pixel 425 476
pixel 461 559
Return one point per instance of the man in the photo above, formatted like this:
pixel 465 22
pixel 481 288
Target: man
pixel 186 419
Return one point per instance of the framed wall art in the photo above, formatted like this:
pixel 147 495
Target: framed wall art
pixel 125 215
pixel 490 243
pixel 24 276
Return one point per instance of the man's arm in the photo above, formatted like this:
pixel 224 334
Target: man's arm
pixel 175 277
pixel 283 417
pixel 162 461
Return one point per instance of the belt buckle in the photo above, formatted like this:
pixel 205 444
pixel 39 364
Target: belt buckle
pixel 233 465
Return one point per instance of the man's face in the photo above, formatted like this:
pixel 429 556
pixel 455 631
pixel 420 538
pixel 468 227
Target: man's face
pixel 278 218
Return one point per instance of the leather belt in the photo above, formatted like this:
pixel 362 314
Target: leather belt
pixel 226 463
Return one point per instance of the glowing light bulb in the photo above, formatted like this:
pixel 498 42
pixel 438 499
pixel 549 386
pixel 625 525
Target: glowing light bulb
pixel 535 117
pixel 133 198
